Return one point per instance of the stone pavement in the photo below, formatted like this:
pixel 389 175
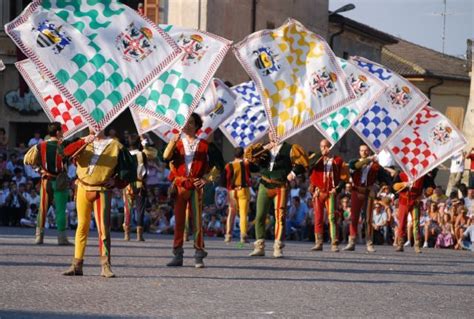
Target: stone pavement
pixel 435 284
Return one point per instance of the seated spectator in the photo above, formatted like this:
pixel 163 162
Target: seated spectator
pixel 159 222
pixel 221 200
pixel 438 196
pixel 468 236
pixel 35 139
pixel 432 228
pixel 460 226
pixel 16 205
pixel 214 228
pixel 469 201
pixel 380 223
pixel 116 210
pixel 445 238
pixel 21 150
pixel 18 177
pixel 30 216
pixel 51 217
pixel 3 141
pixel 296 219
pixel 345 209
pixel 4 172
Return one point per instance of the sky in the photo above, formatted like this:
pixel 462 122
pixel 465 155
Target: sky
pixel 417 21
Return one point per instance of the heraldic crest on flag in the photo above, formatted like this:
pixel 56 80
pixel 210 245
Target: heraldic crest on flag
pixel 367 87
pixel 215 107
pixel 56 107
pixel 392 111
pixel 249 122
pixel 99 54
pixel 177 92
pixel 297 75
pixel 428 140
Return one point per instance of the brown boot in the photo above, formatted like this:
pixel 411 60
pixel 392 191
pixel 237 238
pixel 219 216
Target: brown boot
pixel 350 245
pixel 259 248
pixel 62 239
pixel 39 236
pixel 140 234
pixel 334 246
pixel 318 242
pixel 370 246
pixel 399 245
pixel 177 260
pixel 417 247
pixel 227 238
pixel 244 239
pixel 126 232
pixel 106 267
pixel 75 269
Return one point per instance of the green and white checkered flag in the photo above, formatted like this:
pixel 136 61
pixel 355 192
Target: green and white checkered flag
pixel 177 92
pixel 367 88
pixel 100 54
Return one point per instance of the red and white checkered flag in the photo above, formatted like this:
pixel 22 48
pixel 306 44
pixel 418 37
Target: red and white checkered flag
pixel 56 107
pixel 428 140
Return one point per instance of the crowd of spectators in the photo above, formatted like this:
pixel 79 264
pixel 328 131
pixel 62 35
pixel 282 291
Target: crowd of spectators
pixel 445 221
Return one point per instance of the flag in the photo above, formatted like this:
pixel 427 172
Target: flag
pixel 297 75
pixel 249 122
pixel 428 140
pixel 56 107
pixel 392 111
pixel 145 123
pixel 99 54
pixel 215 108
pixel 367 88
pixel 177 92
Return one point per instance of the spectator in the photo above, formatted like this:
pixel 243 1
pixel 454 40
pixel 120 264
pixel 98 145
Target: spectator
pixel 445 237
pixel 16 205
pixel 432 228
pixel 380 222
pixel 35 139
pixel 456 171
pixel 345 209
pixel 460 226
pixel 116 210
pixel 468 236
pixel 470 156
pixel 71 171
pixel 21 150
pixel 221 200
pixel 296 220
pixel 438 196
pixel 31 216
pixel 3 141
pixel 4 172
pixel 214 228
pixel 18 177
pixel 469 202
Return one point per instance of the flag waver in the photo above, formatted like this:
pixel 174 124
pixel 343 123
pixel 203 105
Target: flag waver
pixel 392 111
pixel 297 75
pixel 54 104
pixel 177 92
pixel 99 54
pixel 249 122
pixel 367 87
pixel 428 140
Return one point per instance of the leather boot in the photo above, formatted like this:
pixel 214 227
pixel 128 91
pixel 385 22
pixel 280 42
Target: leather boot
pixel 39 236
pixel 370 246
pixel 259 248
pixel 244 239
pixel 278 249
pixel 126 232
pixel 318 238
pixel 227 238
pixel 335 246
pixel 417 247
pixel 106 267
pixel 75 269
pixel 140 233
pixel 199 256
pixel 62 239
pixel 350 245
pixel 399 245
pixel 177 260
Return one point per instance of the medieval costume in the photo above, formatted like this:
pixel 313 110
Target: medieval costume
pixel 283 161
pixel 102 165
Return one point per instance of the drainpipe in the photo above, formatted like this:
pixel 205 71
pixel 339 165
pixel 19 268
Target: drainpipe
pixel 254 16
pixel 430 89
pixel 331 39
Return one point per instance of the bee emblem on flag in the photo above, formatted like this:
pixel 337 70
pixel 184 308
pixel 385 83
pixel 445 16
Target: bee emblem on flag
pixel 441 134
pixel 194 48
pixel 323 83
pixel 51 36
pixel 400 97
pixel 266 61
pixel 135 43
pixel 359 84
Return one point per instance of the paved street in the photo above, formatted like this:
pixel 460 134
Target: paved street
pixel 438 283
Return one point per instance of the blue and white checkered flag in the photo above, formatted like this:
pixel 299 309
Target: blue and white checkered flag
pixel 249 123
pixel 391 111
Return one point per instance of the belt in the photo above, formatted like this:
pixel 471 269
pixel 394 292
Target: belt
pixel 272 181
pixel 90 185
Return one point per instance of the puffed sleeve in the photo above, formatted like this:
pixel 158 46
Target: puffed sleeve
pixel 126 170
pixel 299 159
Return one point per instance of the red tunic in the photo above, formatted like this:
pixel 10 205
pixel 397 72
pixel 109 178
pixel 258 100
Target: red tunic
pixel 326 181
pixel 371 176
pixel 409 195
pixel 199 166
